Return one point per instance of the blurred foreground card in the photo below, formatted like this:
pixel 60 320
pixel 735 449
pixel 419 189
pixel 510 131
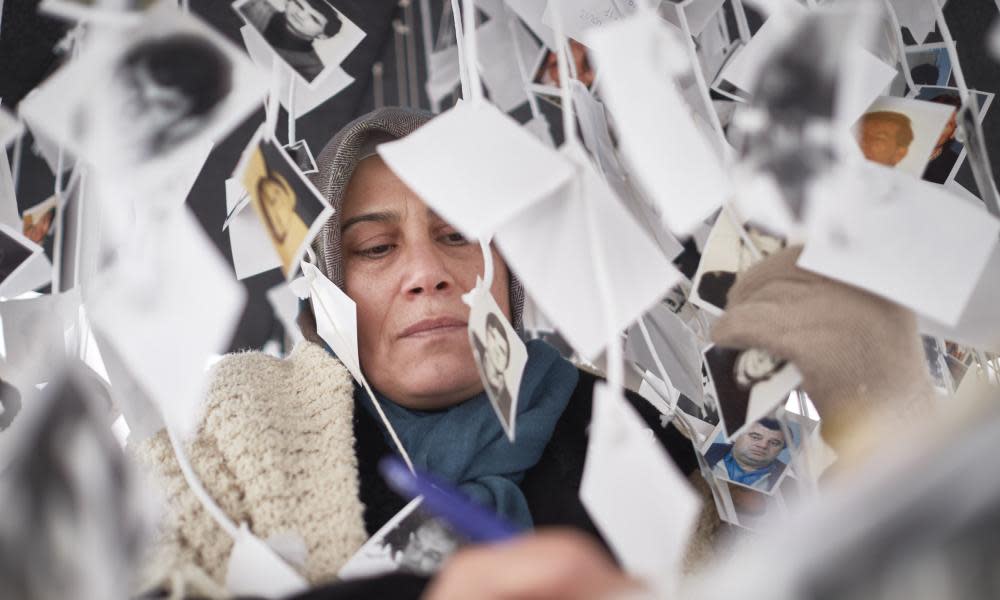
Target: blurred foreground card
pixel 137 98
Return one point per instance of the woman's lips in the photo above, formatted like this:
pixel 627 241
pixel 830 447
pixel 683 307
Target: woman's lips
pixel 428 327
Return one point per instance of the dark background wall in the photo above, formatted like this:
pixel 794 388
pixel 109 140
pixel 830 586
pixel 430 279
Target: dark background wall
pixel 27 41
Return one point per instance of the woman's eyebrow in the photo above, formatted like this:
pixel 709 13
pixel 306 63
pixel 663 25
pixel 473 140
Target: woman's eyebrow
pixel 375 217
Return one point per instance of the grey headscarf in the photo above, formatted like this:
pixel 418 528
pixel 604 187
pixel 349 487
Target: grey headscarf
pixel 336 164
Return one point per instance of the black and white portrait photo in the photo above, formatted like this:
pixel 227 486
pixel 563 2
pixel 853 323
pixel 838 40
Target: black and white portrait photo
pixel 500 356
pixel 310 36
pixel 411 542
pixel 167 88
pixel 493 353
pixel 748 384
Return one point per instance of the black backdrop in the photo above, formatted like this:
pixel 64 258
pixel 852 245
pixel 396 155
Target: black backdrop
pixel 27 40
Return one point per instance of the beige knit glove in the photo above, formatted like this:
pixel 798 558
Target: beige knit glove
pixel 860 356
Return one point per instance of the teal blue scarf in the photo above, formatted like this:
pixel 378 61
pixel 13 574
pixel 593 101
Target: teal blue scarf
pixel 466 445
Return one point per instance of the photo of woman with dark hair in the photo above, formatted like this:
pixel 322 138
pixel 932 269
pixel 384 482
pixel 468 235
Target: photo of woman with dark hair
pixel 166 89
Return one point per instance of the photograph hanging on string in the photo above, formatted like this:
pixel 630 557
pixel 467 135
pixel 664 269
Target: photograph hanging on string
pixel 748 384
pixel 929 64
pixel 902 132
pixel 291 209
pixel 302 156
pixel 500 356
pixel 758 458
pixel 545 67
pixel 949 152
pixel 312 37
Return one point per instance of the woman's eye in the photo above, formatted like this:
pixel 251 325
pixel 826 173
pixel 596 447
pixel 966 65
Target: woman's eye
pixel 455 239
pixel 376 251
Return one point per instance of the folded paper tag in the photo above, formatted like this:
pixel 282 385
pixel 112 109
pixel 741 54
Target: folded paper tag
pixel 634 493
pixel 476 167
pixel 336 318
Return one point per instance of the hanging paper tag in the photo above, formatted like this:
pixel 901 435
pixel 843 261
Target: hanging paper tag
pixel 499 353
pixel 336 318
pixel 634 493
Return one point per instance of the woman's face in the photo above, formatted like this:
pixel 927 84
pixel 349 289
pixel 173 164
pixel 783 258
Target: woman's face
pixel 406 269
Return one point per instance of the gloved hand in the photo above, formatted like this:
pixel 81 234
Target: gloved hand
pixel 861 359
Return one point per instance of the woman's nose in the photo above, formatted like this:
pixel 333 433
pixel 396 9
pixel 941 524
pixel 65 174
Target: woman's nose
pixel 427 271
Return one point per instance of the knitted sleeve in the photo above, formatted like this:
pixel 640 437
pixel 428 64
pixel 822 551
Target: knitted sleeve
pixel 275 450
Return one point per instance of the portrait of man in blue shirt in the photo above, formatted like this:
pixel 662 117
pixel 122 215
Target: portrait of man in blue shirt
pixel 752 458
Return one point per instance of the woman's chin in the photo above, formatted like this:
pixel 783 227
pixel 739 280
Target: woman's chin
pixel 434 382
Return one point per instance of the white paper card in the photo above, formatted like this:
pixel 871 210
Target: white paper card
pixel 498 64
pixel 978 326
pixel 166 305
pixel 336 318
pixel 671 157
pixel 871 79
pixel 744 68
pixel 141 414
pixel 8 201
pixel 885 232
pixel 473 185
pixel 443 73
pixel 551 251
pixel 531 12
pixel 252 250
pixel 538 126
pixel 256 570
pixel 579 16
pixel 634 493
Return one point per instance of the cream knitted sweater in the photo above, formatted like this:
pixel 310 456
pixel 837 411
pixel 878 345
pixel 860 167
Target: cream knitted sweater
pixel 275 449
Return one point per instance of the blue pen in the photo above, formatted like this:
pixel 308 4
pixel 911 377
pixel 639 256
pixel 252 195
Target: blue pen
pixel 475 523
